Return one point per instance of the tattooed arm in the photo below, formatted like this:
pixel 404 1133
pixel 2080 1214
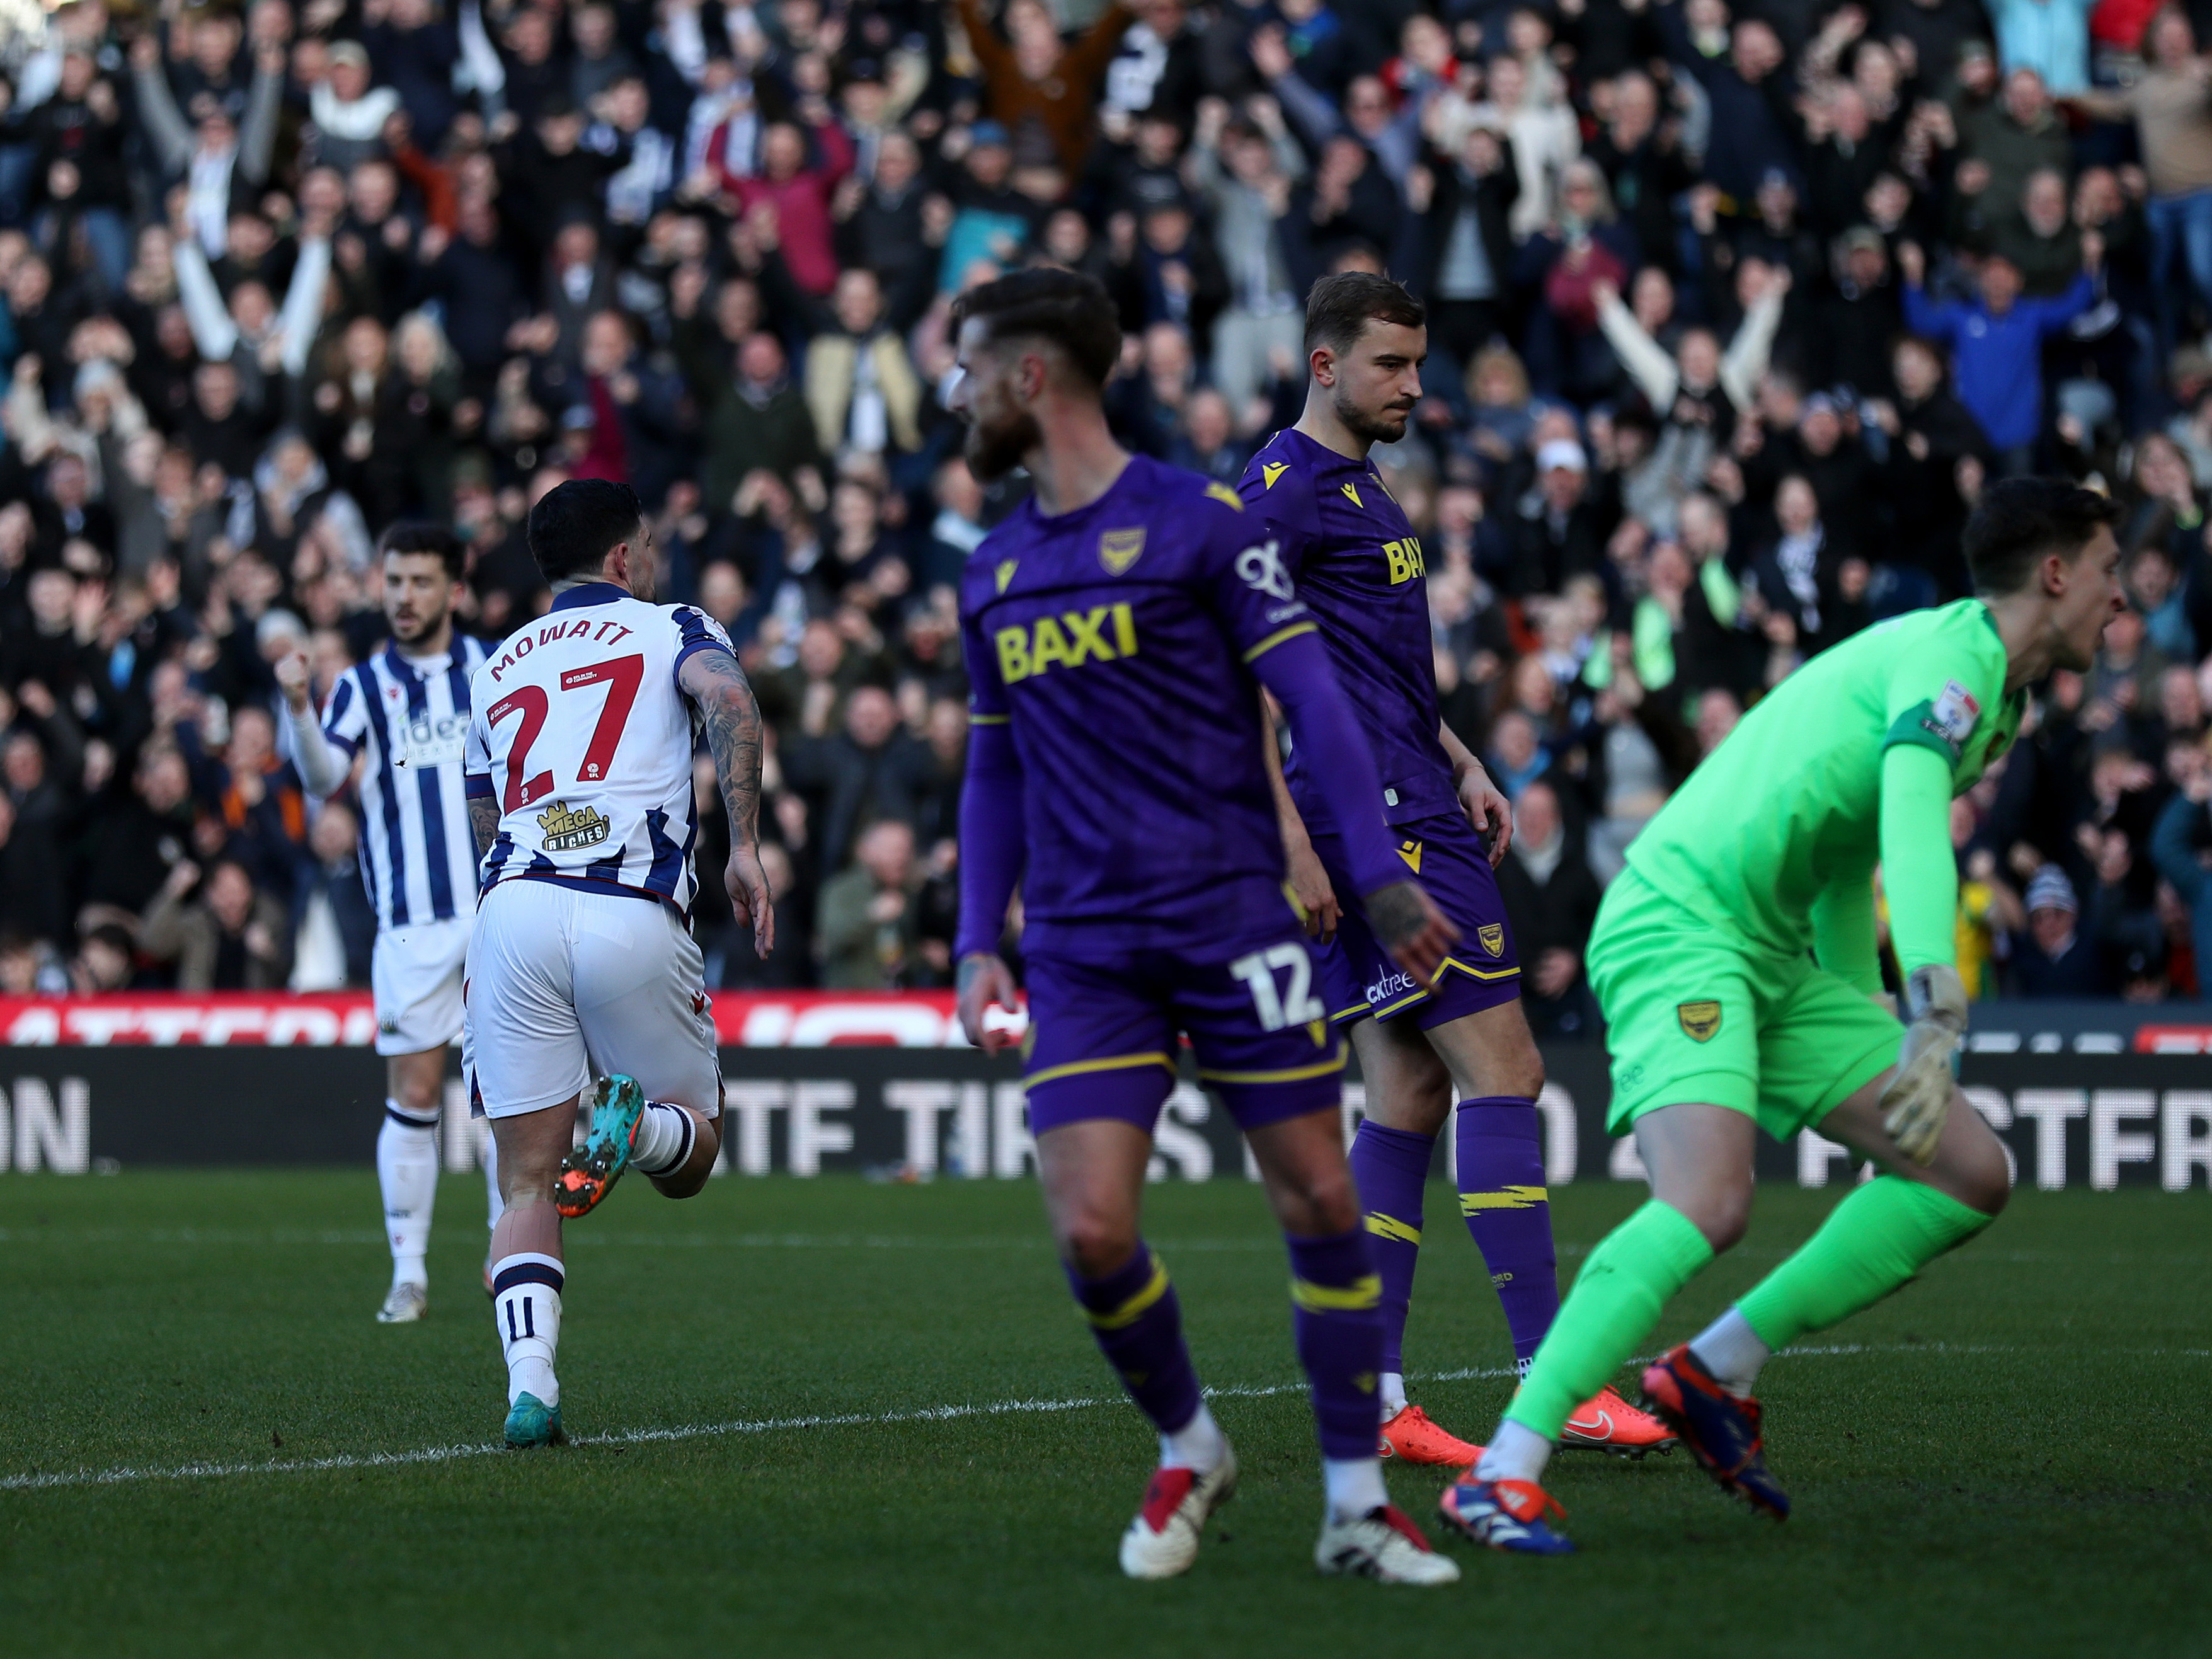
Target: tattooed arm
pixel 713 680
pixel 484 820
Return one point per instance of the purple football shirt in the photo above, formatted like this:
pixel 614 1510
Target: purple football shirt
pixel 1350 549
pixel 1122 644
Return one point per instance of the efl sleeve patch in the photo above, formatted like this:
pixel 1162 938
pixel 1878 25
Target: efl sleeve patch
pixel 1943 724
pixel 1956 713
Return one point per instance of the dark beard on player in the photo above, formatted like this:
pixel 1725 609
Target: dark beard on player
pixel 993 452
pixel 1384 428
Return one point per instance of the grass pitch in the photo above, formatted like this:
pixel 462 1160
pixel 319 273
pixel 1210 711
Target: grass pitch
pixel 2009 1458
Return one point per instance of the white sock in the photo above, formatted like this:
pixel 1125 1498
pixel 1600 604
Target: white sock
pixel 665 1137
pixel 526 1311
pixel 407 1172
pixel 1354 1485
pixel 1732 1351
pixel 498 1205
pixel 1196 1445
pixel 1515 1452
pixel 1393 1391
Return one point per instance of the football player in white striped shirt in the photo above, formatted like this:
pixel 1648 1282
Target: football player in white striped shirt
pixel 582 962
pixel 405 713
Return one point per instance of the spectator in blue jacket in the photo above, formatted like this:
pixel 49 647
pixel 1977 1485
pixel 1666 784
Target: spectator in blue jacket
pixel 2051 37
pixel 2175 847
pixel 1997 344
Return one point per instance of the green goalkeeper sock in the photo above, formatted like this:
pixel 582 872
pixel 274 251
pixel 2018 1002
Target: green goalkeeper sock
pixel 1873 1241
pixel 1613 1307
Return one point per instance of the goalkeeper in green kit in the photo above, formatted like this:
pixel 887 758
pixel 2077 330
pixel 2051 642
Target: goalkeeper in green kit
pixel 1735 962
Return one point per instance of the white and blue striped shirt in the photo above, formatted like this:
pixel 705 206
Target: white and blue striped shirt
pixel 583 738
pixel 417 854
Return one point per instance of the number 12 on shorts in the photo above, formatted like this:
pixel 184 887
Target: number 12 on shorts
pixel 1295 1003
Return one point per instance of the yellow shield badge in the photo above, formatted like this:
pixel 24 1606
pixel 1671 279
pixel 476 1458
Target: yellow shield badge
pixel 1491 937
pixel 1119 549
pixel 1699 1020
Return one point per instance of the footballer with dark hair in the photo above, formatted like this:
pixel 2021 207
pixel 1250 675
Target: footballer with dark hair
pixel 1736 962
pixel 1119 626
pixel 407 707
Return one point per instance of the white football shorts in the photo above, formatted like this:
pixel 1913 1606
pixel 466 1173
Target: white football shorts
pixel 565 985
pixel 415 973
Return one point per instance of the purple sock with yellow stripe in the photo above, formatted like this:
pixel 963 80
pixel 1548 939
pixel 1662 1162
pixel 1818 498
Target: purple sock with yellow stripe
pixel 1137 1322
pixel 1391 1168
pixel 1503 1196
pixel 1337 1296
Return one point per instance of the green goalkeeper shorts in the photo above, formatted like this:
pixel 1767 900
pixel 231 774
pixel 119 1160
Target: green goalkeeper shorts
pixel 1693 1014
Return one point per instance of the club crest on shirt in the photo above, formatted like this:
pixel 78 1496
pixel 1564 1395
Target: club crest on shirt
pixel 1490 936
pixel 1120 549
pixel 1699 1019
pixel 569 827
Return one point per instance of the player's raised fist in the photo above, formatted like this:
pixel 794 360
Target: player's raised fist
pixel 1412 929
pixel 292 680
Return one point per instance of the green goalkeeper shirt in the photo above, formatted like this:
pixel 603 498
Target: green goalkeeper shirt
pixel 1851 760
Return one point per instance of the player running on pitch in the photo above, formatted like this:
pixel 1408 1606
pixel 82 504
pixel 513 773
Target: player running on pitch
pixel 408 708
pixel 1118 626
pixel 1720 1024
pixel 582 961
pixel 1359 566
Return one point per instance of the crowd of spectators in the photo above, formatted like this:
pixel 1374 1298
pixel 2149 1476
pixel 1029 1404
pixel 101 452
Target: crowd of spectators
pixel 1736 305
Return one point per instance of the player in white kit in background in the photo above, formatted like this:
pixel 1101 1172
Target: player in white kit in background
pixel 582 964
pixel 405 713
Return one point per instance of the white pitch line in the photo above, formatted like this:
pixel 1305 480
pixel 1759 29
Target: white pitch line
pixel 451 1453
pixel 229 1237
pixel 626 1438
pixel 130 1475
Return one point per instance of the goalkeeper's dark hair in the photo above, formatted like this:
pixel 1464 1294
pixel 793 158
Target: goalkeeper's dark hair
pixel 433 539
pixel 2018 520
pixel 1061 308
pixel 1340 308
pixel 576 525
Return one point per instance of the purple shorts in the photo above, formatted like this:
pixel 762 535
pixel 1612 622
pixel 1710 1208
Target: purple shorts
pixel 1356 974
pixel 1105 1035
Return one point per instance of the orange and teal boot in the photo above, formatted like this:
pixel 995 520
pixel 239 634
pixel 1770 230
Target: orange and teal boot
pixel 589 1172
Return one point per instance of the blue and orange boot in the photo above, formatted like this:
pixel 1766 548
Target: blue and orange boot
pixel 589 1172
pixel 1505 1515
pixel 1722 1430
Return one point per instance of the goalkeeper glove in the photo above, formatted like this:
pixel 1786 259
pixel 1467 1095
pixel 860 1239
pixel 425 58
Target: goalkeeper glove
pixel 1918 1097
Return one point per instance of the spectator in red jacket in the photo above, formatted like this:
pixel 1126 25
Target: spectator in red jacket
pixel 798 195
